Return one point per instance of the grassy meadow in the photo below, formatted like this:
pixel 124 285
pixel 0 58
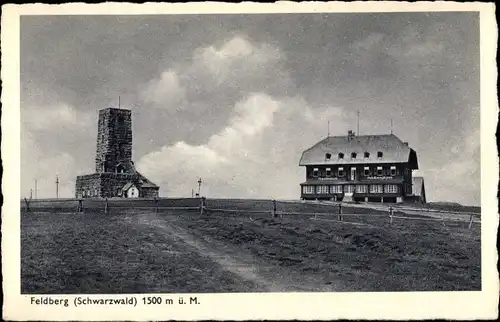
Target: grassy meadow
pixel 140 251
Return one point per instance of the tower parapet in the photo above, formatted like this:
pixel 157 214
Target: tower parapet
pixel 114 141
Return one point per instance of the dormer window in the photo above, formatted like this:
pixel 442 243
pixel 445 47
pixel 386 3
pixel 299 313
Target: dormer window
pixel 315 172
pixel 328 172
pixel 367 154
pixel 341 172
pixel 341 155
pixel 353 155
pixel 328 156
pixel 380 154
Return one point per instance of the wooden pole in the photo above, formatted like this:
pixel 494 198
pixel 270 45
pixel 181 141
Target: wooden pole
pixel 274 209
pixel 106 206
pixel 80 205
pixel 57 187
pixel 157 204
pixel 202 205
pixel 27 204
pixel 470 221
pixel 340 211
pixel 391 213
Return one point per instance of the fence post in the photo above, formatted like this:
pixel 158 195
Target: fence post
pixel 470 222
pixel 340 211
pixel 391 213
pixel 202 205
pixel 106 206
pixel 80 205
pixel 27 204
pixel 157 203
pixel 274 209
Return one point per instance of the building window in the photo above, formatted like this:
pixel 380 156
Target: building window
pixel 379 171
pixel 367 171
pixel 362 188
pixel 391 188
pixel 380 154
pixel 349 188
pixel 308 189
pixel 367 154
pixel 341 171
pixel 393 170
pixel 95 192
pixel 376 188
pixel 322 189
pixel 315 172
pixel 354 155
pixel 328 172
pixel 336 188
pixel 328 156
pixel 84 193
pixel 341 155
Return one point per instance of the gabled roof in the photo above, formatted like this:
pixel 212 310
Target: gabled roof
pixel 393 150
pixel 146 183
pixel 127 186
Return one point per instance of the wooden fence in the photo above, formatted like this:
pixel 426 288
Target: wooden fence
pixel 213 206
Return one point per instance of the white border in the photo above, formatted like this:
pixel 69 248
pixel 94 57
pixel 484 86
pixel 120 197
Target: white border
pixel 244 306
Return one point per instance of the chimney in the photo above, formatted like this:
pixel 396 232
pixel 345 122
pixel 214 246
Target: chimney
pixel 405 143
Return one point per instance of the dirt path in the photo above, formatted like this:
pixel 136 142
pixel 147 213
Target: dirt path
pixel 268 278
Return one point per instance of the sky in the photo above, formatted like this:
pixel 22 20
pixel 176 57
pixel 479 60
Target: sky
pixel 235 99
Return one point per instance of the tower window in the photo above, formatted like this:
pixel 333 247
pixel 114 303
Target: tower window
pixel 380 154
pixel 367 154
pixel 353 155
pixel 341 155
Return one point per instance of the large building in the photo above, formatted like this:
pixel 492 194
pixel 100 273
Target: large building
pixel 374 168
pixel 115 174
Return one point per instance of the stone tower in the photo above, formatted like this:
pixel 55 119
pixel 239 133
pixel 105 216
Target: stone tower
pixel 115 174
pixel 114 141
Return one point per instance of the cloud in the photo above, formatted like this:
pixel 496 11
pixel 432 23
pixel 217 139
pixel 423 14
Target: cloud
pixel 42 167
pixel 50 117
pixel 165 91
pixel 46 132
pixel 234 57
pixel 460 178
pixel 217 73
pixel 255 155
